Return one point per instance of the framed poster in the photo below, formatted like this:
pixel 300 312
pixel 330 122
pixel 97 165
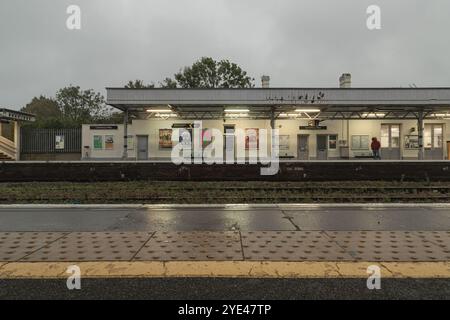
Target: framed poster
pixel 284 142
pixel 59 142
pixel 165 138
pixel 109 142
pixel 98 142
pixel 332 141
pixel 411 142
pixel 251 138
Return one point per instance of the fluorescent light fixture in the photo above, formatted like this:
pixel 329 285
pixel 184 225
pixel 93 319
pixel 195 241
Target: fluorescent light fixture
pixel 237 115
pixel 166 115
pixel 159 110
pixel 236 110
pixel 373 114
pixel 307 110
pixel 441 115
pixel 284 115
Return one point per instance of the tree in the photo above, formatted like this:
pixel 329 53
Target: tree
pixel 43 108
pixel 168 83
pixel 80 106
pixel 46 111
pixel 208 73
pixel 138 84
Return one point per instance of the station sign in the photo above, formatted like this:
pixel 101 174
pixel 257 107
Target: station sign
pixel 106 127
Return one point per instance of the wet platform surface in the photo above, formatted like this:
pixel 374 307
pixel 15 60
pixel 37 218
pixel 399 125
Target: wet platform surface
pixel 225 246
pixel 228 218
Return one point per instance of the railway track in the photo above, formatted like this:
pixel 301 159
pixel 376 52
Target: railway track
pixel 240 194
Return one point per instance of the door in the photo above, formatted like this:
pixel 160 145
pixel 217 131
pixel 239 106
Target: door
pixel 433 142
pixel 322 147
pixel 302 147
pixel 142 147
pixel 229 142
pixel 390 142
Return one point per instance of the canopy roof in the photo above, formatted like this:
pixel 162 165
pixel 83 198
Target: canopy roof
pixel 265 103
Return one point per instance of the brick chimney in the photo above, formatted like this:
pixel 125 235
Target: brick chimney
pixel 345 80
pixel 265 81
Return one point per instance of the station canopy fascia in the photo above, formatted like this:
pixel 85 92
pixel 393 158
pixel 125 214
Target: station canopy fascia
pixel 283 103
pixel 13 115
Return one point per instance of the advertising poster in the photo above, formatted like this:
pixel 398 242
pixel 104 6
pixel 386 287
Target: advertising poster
pixel 109 142
pixel 165 138
pixel 98 142
pixel 59 142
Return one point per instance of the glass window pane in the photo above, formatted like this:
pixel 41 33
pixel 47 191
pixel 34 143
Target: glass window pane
pixel 437 132
pixel 427 136
pixel 395 131
pixel 395 142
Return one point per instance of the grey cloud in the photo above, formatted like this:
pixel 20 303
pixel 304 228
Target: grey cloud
pixel 298 43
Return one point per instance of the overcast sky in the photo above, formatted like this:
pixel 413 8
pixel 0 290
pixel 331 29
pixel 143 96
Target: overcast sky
pixel 304 43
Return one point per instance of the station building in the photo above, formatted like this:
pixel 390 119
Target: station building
pixel 314 123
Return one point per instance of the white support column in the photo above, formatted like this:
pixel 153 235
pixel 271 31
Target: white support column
pixel 125 135
pixel 272 126
pixel 420 134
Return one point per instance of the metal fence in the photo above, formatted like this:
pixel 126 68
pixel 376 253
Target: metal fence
pixel 34 140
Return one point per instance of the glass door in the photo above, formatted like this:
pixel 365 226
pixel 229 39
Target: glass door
pixel 390 141
pixel 433 141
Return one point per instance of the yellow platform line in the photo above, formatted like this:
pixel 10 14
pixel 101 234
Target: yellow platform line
pixel 243 269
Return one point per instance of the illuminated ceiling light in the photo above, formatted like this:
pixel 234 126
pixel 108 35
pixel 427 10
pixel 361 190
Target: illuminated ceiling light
pixel 373 115
pixel 236 110
pixel 159 110
pixel 284 115
pixel 237 115
pixel 441 115
pixel 307 110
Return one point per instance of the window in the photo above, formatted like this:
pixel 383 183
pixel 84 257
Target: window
pixel 360 142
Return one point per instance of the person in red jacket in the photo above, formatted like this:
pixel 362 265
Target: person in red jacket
pixel 375 146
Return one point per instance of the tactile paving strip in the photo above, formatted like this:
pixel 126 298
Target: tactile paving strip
pixel 16 245
pixel 394 245
pixel 291 246
pixel 227 245
pixel 165 246
pixel 93 246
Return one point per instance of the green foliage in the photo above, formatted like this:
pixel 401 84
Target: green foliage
pixel 209 73
pixel 138 84
pixel 70 109
pixel 80 106
pixel 46 111
pixel 168 83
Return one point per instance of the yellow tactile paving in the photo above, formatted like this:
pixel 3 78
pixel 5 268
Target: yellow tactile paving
pixel 243 269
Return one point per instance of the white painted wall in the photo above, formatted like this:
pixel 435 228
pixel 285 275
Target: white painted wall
pixel 286 127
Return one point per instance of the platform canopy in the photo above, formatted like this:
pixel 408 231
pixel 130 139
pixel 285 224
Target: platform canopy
pixel 12 115
pixel 284 103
